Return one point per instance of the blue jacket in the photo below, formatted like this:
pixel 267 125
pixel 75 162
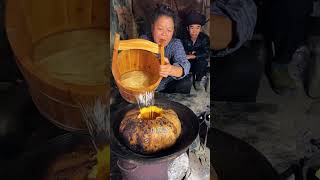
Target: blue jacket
pixel 174 51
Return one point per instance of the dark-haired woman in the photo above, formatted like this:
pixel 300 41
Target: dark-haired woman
pixel 176 69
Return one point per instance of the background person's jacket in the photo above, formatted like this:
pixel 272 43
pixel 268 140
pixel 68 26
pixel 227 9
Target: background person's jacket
pixel 243 14
pixel 201 46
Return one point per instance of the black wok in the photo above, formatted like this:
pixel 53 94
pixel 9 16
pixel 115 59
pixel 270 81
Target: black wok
pixel 190 129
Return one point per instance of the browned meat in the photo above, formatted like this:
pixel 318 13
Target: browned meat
pixel 150 135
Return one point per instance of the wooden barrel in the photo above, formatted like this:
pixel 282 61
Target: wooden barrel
pixel 50 39
pixel 135 60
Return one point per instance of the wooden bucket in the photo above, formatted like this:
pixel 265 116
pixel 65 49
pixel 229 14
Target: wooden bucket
pixel 40 29
pixel 136 55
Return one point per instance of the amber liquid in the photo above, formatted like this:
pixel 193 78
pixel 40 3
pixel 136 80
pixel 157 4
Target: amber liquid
pixel 136 79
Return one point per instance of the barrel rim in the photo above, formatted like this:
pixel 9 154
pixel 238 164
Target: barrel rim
pixel 26 63
pixel 118 82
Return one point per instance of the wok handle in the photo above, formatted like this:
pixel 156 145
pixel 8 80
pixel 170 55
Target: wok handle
pixel 126 169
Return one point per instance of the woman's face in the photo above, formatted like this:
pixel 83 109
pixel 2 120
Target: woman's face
pixel 194 30
pixel 163 29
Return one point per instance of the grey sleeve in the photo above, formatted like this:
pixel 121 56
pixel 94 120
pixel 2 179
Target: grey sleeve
pixel 243 13
pixel 180 58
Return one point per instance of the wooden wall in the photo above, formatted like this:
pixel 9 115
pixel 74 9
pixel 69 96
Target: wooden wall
pixel 143 9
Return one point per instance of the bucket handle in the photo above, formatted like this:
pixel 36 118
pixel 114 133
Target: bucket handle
pixel 137 44
pixel 161 49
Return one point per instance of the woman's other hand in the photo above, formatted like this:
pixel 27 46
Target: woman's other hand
pixel 166 69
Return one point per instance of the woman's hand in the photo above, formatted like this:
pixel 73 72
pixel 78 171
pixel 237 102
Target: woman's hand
pixel 166 69
pixel 170 70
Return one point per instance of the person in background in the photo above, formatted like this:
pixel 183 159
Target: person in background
pixel 176 69
pixel 286 23
pixel 235 69
pixel 197 46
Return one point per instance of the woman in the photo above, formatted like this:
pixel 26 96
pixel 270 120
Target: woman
pixel 176 69
pixel 197 46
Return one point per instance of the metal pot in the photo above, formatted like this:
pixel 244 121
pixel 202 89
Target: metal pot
pixel 135 171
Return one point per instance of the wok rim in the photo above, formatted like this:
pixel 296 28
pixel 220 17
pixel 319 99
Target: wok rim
pixel 121 150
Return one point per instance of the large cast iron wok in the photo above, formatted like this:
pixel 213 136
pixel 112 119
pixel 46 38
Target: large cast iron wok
pixel 233 158
pixel 190 129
